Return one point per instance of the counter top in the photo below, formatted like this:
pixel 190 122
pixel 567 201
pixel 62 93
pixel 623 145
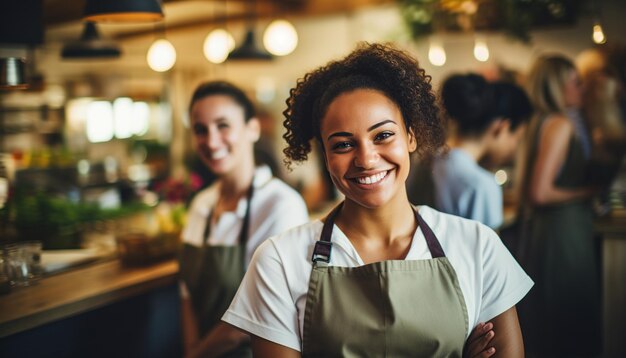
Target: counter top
pixel 79 290
pixel 613 224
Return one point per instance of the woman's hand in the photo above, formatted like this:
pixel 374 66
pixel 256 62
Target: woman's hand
pixel 477 344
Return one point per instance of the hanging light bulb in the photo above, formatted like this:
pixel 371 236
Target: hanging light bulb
pixel 598 34
pixel 436 54
pixel 481 51
pixel 161 55
pixel 218 45
pixel 280 38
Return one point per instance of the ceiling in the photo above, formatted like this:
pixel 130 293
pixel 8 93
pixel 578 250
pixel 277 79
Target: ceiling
pixel 63 18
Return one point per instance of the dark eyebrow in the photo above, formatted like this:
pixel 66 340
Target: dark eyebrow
pixel 340 134
pixel 380 124
pixel 347 134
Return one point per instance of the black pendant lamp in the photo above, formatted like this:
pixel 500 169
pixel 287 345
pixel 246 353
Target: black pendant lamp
pixel 123 10
pixel 249 50
pixel 90 45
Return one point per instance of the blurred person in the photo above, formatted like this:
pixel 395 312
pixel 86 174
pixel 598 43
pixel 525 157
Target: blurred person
pixel 562 315
pixel 490 119
pixel 603 113
pixel 377 276
pixel 227 221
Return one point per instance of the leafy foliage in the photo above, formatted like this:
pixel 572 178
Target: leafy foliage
pixel 515 17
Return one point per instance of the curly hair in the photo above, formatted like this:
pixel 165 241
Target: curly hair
pixel 371 66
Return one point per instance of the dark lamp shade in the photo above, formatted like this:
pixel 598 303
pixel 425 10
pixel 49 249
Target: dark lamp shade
pixel 249 50
pixel 92 50
pixel 123 11
pixel 12 73
pixel 90 45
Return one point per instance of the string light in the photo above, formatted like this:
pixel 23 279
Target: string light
pixel 218 45
pixel 598 34
pixel 161 55
pixel 436 54
pixel 481 51
pixel 280 38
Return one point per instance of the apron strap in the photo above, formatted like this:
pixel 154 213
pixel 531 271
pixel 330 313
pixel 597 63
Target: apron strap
pixel 245 227
pixel 243 234
pixel 431 240
pixel 323 246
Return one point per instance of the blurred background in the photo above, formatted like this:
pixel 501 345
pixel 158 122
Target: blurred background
pixel 94 138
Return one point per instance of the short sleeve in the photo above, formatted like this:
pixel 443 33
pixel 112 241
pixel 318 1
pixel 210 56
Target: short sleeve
pixel 289 213
pixel 504 282
pixel 263 305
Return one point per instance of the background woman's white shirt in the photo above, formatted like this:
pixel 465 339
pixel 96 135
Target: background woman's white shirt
pixel 276 207
pixel 271 299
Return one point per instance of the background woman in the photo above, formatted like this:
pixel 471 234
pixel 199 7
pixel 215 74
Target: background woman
pixel 562 314
pixel 490 119
pixel 228 220
pixel 377 277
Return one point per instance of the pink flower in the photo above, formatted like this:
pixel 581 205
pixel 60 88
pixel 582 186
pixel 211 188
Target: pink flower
pixel 178 190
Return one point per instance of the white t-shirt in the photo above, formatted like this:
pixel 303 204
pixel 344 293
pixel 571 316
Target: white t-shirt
pixel 464 188
pixel 276 207
pixel 271 299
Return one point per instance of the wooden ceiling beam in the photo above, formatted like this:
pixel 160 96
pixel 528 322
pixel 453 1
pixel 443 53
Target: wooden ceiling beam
pixel 267 9
pixel 57 12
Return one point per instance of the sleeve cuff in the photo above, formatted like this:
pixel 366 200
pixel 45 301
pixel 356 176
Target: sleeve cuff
pixel 268 333
pixel 507 302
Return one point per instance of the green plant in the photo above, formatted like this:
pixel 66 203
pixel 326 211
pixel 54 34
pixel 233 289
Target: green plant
pixel 55 219
pixel 514 17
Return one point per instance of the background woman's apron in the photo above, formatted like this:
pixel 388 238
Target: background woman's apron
pixel 561 316
pixel 213 274
pixel 394 308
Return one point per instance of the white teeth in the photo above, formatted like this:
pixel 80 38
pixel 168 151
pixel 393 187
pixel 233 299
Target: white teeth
pixel 219 154
pixel 372 179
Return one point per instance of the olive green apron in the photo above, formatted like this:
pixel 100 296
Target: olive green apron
pixel 213 274
pixel 394 308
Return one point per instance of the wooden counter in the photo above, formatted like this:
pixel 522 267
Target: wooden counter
pixel 66 294
pixel 612 230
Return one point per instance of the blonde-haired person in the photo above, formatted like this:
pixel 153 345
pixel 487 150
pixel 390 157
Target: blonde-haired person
pixel 561 316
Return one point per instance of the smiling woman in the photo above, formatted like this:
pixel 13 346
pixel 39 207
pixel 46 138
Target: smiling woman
pixel 380 157
pixel 403 281
pixel 229 219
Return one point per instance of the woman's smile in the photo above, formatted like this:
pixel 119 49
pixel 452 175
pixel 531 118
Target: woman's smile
pixel 218 154
pixel 369 180
pixel 367 147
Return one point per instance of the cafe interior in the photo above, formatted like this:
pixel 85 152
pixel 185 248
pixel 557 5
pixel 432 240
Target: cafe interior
pixel 97 159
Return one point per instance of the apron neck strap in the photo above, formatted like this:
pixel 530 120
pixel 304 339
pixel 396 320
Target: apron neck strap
pixel 323 246
pixel 431 240
pixel 243 234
